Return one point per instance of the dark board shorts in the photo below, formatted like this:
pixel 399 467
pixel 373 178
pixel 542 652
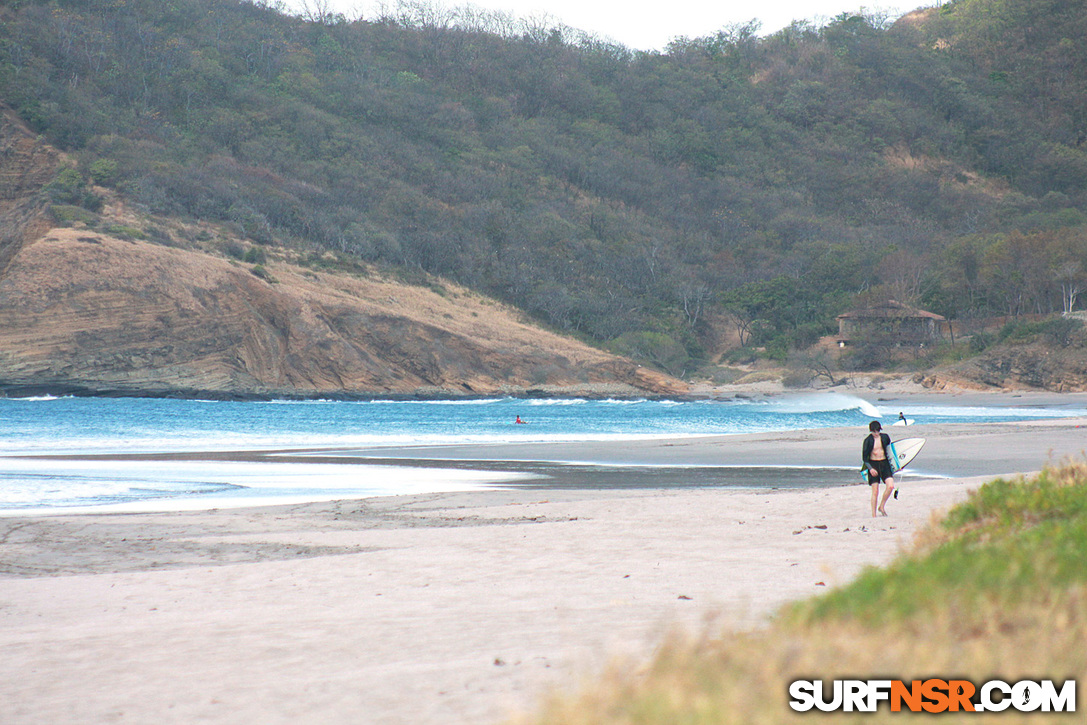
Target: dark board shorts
pixel 883 471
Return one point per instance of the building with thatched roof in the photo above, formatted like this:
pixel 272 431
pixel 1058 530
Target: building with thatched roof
pixel 890 322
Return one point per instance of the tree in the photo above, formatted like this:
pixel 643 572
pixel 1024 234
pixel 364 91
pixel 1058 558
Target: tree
pixel 607 190
pixel 656 347
pixel 818 364
pixel 321 12
pixel 694 296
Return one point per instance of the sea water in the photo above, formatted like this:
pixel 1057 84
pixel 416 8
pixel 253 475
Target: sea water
pixel 92 433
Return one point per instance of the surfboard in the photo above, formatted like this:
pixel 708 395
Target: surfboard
pixel 905 450
pixel 907 421
pixel 901 453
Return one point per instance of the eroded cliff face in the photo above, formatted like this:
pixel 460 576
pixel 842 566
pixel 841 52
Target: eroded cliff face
pixel 85 310
pixel 26 165
pixel 1018 367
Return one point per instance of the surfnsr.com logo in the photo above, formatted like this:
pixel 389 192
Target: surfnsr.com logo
pixel 933 696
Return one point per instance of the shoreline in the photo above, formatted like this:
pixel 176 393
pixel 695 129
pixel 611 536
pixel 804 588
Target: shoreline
pixel 451 607
pixel 794 459
pixel 897 387
pixel 802 458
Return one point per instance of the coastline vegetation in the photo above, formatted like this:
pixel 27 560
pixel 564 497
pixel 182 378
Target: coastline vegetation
pixel 640 200
pixel 996 589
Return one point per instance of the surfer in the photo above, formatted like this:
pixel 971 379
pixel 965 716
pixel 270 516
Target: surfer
pixel 519 421
pixel 902 417
pixel 874 455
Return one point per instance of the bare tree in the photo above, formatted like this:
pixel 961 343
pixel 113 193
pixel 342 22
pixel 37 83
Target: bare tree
pixel 538 27
pixel 485 20
pixel 318 11
pixel 746 326
pixel 904 274
pixel 694 296
pixel 1070 276
pixel 818 364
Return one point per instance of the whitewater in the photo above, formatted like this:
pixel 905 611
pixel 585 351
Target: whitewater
pixel 60 453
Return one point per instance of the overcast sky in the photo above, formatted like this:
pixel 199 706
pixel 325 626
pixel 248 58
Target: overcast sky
pixel 650 24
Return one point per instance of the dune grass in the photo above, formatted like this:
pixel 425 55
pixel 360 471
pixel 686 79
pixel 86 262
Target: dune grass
pixel 997 589
pixel 1011 542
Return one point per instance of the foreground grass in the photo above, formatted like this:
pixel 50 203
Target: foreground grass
pixel 996 590
pixel 1011 543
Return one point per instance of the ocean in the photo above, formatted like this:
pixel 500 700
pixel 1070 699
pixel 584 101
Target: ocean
pixel 61 454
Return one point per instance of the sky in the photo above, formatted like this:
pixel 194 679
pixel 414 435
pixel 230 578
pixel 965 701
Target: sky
pixel 651 24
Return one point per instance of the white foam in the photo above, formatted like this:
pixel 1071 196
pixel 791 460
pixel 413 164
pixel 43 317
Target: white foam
pixel 96 485
pixel 451 401
pixel 973 412
pixel 823 403
pixel 552 402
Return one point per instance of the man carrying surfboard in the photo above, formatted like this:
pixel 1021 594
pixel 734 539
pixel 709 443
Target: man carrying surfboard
pixel 874 453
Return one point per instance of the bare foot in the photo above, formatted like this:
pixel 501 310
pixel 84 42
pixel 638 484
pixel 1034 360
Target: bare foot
pixel 882 512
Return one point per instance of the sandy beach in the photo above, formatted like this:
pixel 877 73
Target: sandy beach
pixel 455 607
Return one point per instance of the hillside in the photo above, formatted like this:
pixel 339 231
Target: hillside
pixel 637 200
pixel 83 311
pixel 103 311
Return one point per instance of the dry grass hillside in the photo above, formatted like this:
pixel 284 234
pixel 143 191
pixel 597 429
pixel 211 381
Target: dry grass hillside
pixel 93 307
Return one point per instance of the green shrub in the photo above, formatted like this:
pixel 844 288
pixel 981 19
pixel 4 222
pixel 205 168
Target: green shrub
pixel 69 188
pixel 69 214
pixel 158 234
pixel 980 341
pixel 255 255
pixel 234 250
pixel 655 347
pixel 66 188
pixel 1063 331
pixel 741 356
pixel 103 172
pixel 798 379
pixel 719 375
pixel 122 231
pixel 262 272
pixel 1009 541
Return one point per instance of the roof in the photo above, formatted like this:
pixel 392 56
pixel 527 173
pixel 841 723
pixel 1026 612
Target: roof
pixel 889 310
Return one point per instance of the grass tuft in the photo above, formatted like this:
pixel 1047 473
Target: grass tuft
pixel 997 589
pixel 1008 543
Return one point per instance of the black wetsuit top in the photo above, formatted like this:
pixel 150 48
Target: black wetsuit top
pixel 870 443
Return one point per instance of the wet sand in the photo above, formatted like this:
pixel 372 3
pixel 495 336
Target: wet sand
pixel 456 607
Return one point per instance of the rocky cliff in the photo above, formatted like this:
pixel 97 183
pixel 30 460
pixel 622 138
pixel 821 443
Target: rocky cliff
pixel 91 307
pixel 1017 367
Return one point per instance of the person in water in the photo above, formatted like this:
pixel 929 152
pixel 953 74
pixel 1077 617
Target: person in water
pixel 874 455
pixel 519 420
pixel 902 417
